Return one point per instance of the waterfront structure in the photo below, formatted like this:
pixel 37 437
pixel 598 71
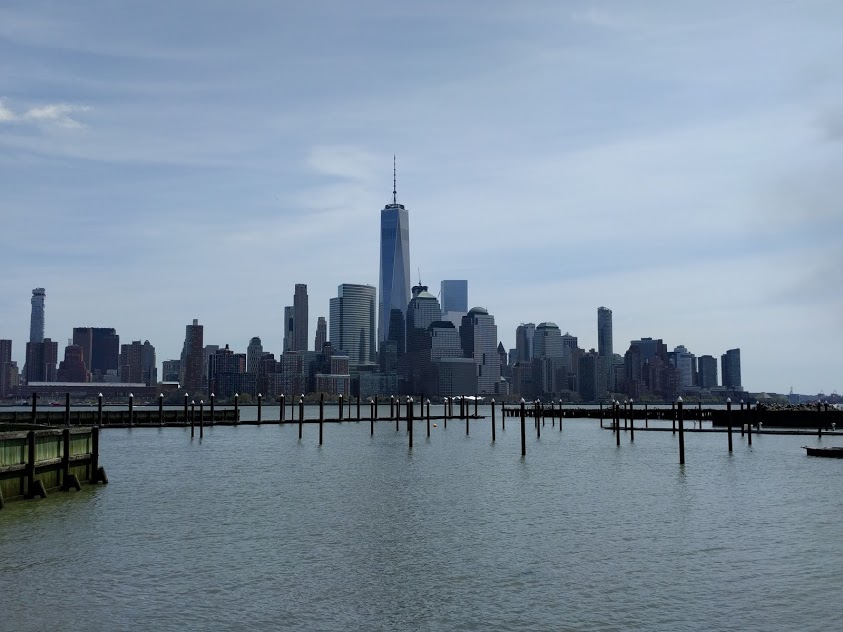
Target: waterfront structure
pixel 479 338
pixel 36 319
pixel 352 322
pixel 707 371
pixel 41 360
pixel 524 334
pixel 192 357
pixel 321 334
pixel 5 368
pixel 730 369
pixel 394 280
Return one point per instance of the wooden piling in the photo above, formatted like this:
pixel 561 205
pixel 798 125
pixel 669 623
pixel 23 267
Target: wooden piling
pixel 358 408
pixel 681 433
pixel 445 414
pixel 503 418
pixel 631 421
pixel 339 406
pixel 160 409
pixel 476 400
pixel 282 409
pixel 236 408
pixel 819 423
pixel 749 425
pixel 646 415
pixel 742 418
pixel 67 409
pixel 428 417
pixel 131 409
pixel 201 418
pixel 260 398
pixel 371 416
pixel 99 411
pixel 410 420
pixel 729 421
pixel 376 405
pixel 523 429
pixel 301 414
pixel 321 414
pixel 211 422
pixel 464 410
pixel 192 417
pixel 493 419
pixel 537 415
pixel 187 397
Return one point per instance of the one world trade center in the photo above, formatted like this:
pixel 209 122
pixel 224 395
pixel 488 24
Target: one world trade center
pixel 394 285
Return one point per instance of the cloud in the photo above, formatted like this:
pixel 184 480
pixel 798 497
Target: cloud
pixel 6 114
pixel 56 113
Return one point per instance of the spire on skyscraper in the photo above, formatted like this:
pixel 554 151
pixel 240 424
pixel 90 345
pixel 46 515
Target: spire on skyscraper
pixel 394 188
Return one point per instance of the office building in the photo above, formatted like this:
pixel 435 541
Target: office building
pixel 479 339
pixel 192 357
pixel 730 369
pixel 41 360
pixel 547 341
pixel 137 363
pixel 321 334
pixel 5 368
pixel 686 362
pixel 254 353
pixel 604 332
pixel 524 334
pixel 170 370
pixel 422 311
pixel 352 322
pixel 300 316
pixel 289 328
pixel 100 350
pixel 394 281
pixel 453 294
pixel 707 371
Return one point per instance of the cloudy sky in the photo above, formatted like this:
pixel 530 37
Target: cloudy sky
pixel 678 162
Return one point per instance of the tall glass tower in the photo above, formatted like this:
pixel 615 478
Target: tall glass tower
pixel 36 320
pixel 394 283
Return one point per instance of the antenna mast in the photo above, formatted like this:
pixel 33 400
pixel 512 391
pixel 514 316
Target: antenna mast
pixel 394 188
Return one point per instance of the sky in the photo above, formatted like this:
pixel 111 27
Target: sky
pixel 678 162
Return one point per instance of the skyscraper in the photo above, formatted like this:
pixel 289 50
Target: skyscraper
pixel 36 320
pixel 321 334
pixel 479 337
pixel 547 341
pixel 394 282
pixel 604 332
pixel 254 353
pixel 422 311
pixel 5 367
pixel 707 371
pixel 289 328
pixel 192 357
pixel 352 322
pixel 524 342
pixel 300 318
pixel 730 369
pixel 454 297
pixel 100 349
pixel 41 359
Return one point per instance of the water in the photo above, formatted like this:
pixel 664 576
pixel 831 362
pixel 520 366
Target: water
pixel 252 529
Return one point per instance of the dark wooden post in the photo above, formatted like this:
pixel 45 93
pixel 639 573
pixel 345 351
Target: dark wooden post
pixel 503 418
pixel 699 411
pixel 95 451
pixel 561 414
pixel 192 417
pixel 601 414
pixel 410 420
pixel 476 400
pixel 186 398
pixel 201 418
pixel 34 402
pixel 631 420
pixel 99 413
pixel 67 409
pixel 646 415
pixel 523 429
pixel 493 419
pixel 260 398
pixel 358 407
pixel 160 409
pixel 213 408
pixel 236 408
pixel 395 407
pixel 376 405
pixel 445 413
pixel 681 432
pixel 617 423
pixel 428 417
pixel 131 409
pixel 282 409
pixel 741 417
pixel 301 413
pixel 392 409
pixel 729 420
pixel 321 414
pixel 371 416
pixel 464 410
pixel 339 407
pixel 749 425
pixel 537 414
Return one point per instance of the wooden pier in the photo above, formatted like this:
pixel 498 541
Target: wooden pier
pixel 33 462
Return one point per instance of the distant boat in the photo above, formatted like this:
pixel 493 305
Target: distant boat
pixel 834 453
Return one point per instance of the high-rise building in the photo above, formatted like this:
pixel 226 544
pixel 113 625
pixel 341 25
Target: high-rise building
pixel 547 341
pixel 707 371
pixel 604 332
pixel 100 350
pixel 321 334
pixel 170 370
pixel 149 366
pixel 730 369
pixel 41 359
pixel 72 368
pixel 227 374
pixel 300 317
pixel 479 338
pixel 588 379
pixel 454 296
pixel 36 320
pixel 131 363
pixel 394 281
pixel 422 311
pixel 686 362
pixel 352 322
pixel 254 353
pixel 192 356
pixel 5 368
pixel 289 328
pixel 524 334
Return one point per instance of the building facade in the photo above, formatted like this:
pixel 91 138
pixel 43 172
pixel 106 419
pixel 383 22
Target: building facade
pixel 730 369
pixel 479 339
pixel 394 279
pixel 192 357
pixel 36 319
pixel 321 334
pixel 352 322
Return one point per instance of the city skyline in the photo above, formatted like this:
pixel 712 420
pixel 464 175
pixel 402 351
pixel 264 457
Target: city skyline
pixel 670 163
